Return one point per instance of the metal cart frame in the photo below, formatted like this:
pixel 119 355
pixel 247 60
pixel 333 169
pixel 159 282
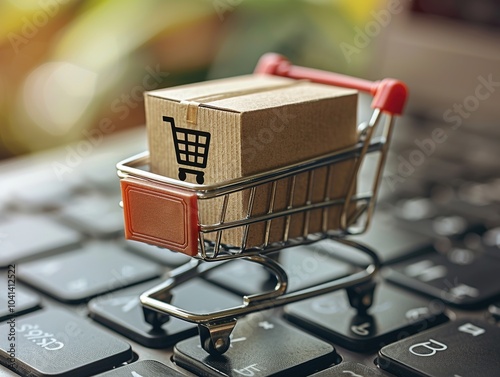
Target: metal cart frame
pixel 215 327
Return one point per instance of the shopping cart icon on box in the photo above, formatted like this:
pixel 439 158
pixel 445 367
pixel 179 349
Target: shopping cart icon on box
pixel 191 149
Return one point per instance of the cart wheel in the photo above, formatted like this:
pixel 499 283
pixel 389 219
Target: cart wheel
pixel 154 318
pixel 200 179
pixel 217 348
pixel 216 338
pixel 361 296
pixel 182 175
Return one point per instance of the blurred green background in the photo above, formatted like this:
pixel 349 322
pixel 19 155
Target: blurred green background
pixel 67 66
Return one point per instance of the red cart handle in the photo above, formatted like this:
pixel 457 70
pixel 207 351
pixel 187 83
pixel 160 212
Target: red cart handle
pixel 389 95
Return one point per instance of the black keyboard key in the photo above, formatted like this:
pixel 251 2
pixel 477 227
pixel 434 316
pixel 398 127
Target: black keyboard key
pixel 95 215
pixel 415 208
pixel 444 225
pixel 391 243
pixel 260 346
pixel 436 168
pixel 92 270
pixel 16 299
pixel 23 237
pixel 491 241
pixel 100 174
pixel 461 348
pixel 460 277
pixel 479 212
pixel 394 314
pixel 56 343
pixel 43 195
pixel 305 266
pixel 349 369
pixel 123 313
pixel 436 217
pixel 143 368
pixel 494 310
pixel 164 256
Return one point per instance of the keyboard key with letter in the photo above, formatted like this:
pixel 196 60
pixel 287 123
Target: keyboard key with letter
pixel 461 348
pixel 459 277
pixel 56 343
pixel 123 313
pixel 394 314
pixel 95 269
pixel 260 346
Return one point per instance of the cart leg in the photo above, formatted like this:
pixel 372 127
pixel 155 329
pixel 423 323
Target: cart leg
pixel 361 296
pixel 154 318
pixel 215 337
pixel 153 300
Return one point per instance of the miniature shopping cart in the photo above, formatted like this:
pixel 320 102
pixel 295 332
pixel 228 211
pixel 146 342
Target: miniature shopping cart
pixel 191 149
pixel 147 197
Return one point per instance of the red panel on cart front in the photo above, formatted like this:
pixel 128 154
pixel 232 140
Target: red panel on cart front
pixel 160 215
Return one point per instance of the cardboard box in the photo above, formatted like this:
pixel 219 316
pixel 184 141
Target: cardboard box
pixel 246 125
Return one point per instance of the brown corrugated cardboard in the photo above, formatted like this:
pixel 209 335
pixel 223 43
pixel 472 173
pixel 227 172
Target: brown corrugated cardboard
pixel 252 124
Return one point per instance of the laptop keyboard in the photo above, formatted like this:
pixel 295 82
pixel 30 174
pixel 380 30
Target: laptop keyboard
pixel 71 283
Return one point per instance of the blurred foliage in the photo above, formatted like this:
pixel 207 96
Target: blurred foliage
pixel 69 65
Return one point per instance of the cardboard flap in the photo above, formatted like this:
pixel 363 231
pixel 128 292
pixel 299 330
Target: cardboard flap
pixel 191 97
pixel 215 87
pixel 246 93
pixel 300 93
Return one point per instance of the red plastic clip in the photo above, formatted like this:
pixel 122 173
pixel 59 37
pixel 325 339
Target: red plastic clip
pixel 160 215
